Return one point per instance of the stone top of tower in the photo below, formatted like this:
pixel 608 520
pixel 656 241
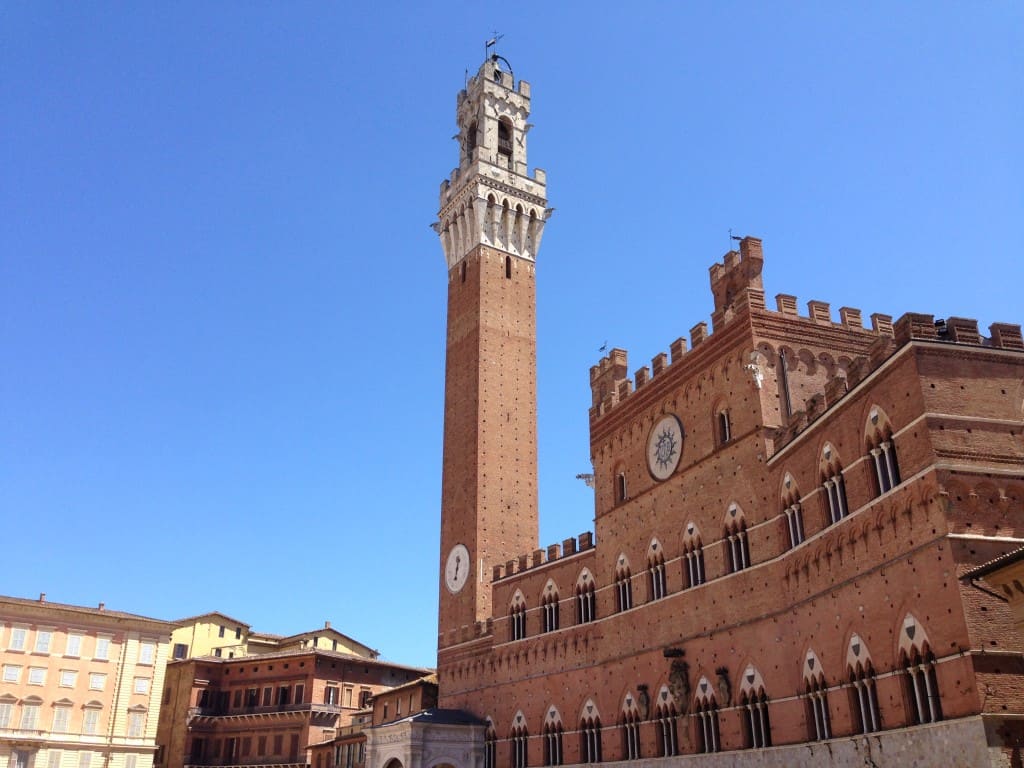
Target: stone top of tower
pixel 490 199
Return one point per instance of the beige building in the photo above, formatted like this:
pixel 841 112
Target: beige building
pixel 217 634
pixel 79 687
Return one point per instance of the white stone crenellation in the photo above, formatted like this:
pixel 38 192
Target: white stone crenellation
pixel 489 199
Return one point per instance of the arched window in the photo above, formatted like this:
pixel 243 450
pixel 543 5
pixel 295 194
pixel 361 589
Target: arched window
pixel 882 451
pixel 517 617
pixel 553 738
pixel 623 585
pixel 549 607
pixel 590 734
pixel 706 712
pixel 792 511
pixel 724 426
pixel 693 555
pixel 471 141
pixel 585 603
pixel 757 730
pixel 519 743
pixel 833 486
pixel 665 724
pixel 505 141
pixel 921 685
pixel 656 570
pixel 737 548
pixel 863 693
pixel 490 746
pixel 819 721
pixel 629 726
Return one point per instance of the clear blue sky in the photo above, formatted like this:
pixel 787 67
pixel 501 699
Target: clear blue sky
pixel 222 307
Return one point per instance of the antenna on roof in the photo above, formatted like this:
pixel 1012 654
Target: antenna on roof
pixel 491 43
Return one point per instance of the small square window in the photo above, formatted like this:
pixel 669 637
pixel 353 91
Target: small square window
pixel 68 678
pixel 180 651
pixel 12 673
pixel 97 681
pixel 141 685
pixel 36 675
pixel 146 652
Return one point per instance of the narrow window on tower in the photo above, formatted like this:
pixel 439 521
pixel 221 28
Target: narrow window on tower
pixel 620 487
pixel 508 267
pixel 724 428
pixel 462 271
pixel 505 142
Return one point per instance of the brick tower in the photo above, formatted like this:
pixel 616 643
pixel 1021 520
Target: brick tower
pixel 490 224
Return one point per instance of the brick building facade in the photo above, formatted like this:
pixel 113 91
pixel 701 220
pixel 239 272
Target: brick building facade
pixel 268 708
pixel 784 507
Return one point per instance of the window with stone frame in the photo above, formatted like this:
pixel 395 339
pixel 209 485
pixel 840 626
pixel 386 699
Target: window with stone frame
pixel 590 740
pixel 882 451
pixel 586 603
pixel 737 547
pixel 490 746
pixel 629 727
pixel 623 585
pixel 757 730
pixel 549 604
pixel 519 742
pixel 792 511
pixel 552 738
pixel 656 570
pixel 666 728
pixel 920 682
pixel 705 713
pixel 833 486
pixel 517 617
pixel 818 717
pixel 866 714
pixel 693 557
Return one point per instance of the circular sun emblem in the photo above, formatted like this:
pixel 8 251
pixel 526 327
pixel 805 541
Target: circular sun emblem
pixel 665 447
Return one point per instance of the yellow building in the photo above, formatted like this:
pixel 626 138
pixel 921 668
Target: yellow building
pixel 217 634
pixel 79 687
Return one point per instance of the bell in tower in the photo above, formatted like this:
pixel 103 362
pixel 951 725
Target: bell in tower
pixel 490 224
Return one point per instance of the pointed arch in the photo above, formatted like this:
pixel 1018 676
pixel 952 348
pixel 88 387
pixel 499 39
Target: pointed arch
pixel 590 733
pixel 757 730
pixel 519 741
pixel 693 556
pixel 585 602
pixel 819 720
pixel 552 733
pixel 863 690
pixel 549 602
pixel 791 509
pixel 657 581
pixel 737 546
pixel 833 485
pixel 666 727
pixel 881 449
pixel 629 727
pixel 517 616
pixel 705 709
pixel 920 681
pixel 623 583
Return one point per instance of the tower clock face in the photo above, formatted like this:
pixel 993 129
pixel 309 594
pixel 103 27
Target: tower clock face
pixel 665 447
pixel 456 568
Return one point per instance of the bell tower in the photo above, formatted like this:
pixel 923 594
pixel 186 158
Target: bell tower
pixel 490 224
